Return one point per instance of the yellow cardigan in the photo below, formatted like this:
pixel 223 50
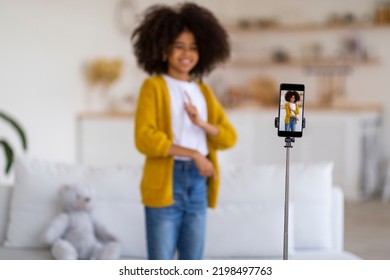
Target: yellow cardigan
pixel 154 137
pixel 288 112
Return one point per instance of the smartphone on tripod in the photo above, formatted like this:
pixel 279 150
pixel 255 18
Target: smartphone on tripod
pixel 291 110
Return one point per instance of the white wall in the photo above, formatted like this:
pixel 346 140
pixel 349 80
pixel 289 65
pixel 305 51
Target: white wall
pixel 44 45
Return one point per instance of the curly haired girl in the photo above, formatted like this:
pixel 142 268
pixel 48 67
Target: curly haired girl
pixel 292 110
pixel 179 125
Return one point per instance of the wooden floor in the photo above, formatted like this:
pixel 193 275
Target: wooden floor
pixel 367 229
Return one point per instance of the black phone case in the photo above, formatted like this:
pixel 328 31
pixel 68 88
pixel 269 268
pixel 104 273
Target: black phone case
pixel 295 87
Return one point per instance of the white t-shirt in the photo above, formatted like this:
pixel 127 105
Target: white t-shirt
pixel 185 133
pixel 293 106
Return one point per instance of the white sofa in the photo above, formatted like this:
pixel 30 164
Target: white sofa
pixel 247 224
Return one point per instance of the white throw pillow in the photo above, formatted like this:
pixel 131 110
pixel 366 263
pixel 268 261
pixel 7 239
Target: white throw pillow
pixel 310 192
pixel 247 231
pixel 34 202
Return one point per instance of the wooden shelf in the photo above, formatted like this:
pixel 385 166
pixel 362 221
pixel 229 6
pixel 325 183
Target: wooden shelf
pixel 299 63
pixel 345 107
pixel 105 115
pixel 342 107
pixel 323 63
pixel 304 27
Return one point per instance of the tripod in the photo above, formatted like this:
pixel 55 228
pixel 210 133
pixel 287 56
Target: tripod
pixel 288 145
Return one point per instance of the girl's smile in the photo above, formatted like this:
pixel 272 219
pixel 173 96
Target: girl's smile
pixel 183 56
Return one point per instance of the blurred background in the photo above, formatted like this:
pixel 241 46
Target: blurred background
pixel 68 75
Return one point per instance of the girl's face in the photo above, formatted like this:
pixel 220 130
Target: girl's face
pixel 292 99
pixel 183 56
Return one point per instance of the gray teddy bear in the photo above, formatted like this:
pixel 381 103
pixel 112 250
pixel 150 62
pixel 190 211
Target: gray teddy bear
pixel 74 233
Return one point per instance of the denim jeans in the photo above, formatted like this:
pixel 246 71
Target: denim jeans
pixel 291 126
pixel 180 226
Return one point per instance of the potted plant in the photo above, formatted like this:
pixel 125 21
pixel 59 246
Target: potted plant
pixel 8 150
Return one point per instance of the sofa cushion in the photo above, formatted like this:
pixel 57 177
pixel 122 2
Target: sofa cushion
pixel 34 202
pixel 247 230
pixel 25 254
pixel 310 192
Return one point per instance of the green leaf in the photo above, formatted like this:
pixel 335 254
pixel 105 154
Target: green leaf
pixel 17 127
pixel 9 154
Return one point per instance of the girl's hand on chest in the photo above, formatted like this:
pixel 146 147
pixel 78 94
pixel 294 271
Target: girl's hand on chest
pixel 192 112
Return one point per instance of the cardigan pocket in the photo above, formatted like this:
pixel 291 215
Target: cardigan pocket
pixel 155 174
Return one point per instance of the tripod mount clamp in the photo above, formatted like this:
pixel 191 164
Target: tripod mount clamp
pixel 276 123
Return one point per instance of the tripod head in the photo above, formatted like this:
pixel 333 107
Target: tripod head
pixel 277 122
pixel 289 139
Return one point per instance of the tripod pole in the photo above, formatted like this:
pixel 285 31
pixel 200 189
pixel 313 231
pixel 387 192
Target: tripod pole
pixel 288 141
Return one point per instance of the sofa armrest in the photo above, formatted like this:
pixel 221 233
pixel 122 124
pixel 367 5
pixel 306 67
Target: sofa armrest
pixel 337 219
pixel 5 197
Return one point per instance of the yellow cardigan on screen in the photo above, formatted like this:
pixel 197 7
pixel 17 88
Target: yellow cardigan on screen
pixel 288 112
pixel 154 137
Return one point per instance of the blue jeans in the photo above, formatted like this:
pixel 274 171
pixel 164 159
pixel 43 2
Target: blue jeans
pixel 291 126
pixel 180 226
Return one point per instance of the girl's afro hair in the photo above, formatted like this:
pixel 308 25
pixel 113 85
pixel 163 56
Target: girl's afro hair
pixel 162 24
pixel 290 94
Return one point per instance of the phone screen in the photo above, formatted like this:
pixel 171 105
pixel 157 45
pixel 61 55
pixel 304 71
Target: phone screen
pixel 291 109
